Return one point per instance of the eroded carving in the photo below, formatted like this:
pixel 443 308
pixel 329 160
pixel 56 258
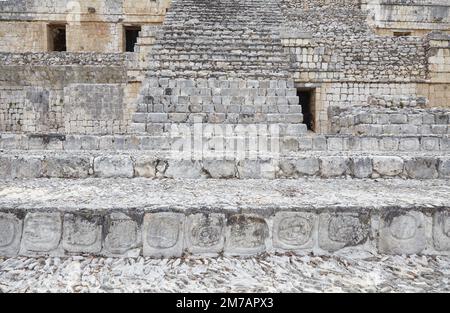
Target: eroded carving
pixel 345 229
pixel 122 236
pixel 163 232
pixel 42 231
pixel 403 227
pixel 8 231
pixel 295 230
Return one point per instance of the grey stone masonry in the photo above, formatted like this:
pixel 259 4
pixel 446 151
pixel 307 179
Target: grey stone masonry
pixel 291 138
pixel 234 218
pixel 391 120
pixel 83 165
pixel 219 62
pixel 227 38
pixel 216 101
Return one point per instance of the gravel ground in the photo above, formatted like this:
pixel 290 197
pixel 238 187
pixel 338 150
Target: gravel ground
pixel 270 273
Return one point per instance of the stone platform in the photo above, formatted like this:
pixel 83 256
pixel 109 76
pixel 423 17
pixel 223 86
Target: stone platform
pixel 169 218
pixel 220 165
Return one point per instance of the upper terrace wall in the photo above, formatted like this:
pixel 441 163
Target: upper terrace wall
pixel 83 93
pixel 23 24
pixel 416 16
pixel 334 50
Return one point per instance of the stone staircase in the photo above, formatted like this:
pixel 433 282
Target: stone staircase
pixel 220 162
pixel 218 62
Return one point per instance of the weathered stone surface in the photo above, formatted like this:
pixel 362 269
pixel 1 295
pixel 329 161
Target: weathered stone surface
pixel 220 168
pixel 123 236
pixel 163 234
pixel 361 167
pixel 299 167
pixel 256 169
pixel 422 168
pixel 246 235
pixel 28 166
pixel 441 231
pixel 205 233
pixel 402 233
pixel 113 166
pixel 444 167
pixel 334 166
pixel 388 165
pixel 42 233
pixel 10 234
pixel 294 230
pixel 145 166
pixel 186 169
pixel 68 166
pixel 82 234
pixel 340 230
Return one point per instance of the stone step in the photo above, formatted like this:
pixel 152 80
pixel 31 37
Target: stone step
pixel 218 164
pixel 292 138
pixel 163 219
pixel 220 39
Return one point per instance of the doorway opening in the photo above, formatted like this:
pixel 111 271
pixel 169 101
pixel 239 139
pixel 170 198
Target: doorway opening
pixel 131 36
pixel 57 38
pixel 308 103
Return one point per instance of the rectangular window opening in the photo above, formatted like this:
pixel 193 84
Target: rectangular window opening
pixel 131 36
pixel 402 34
pixel 307 101
pixel 57 38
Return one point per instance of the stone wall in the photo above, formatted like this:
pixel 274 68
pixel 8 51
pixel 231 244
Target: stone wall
pixel 415 16
pixel 159 233
pixel 347 64
pixel 23 24
pixel 65 93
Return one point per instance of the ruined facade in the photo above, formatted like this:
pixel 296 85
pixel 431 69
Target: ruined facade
pixel 110 89
pixel 337 54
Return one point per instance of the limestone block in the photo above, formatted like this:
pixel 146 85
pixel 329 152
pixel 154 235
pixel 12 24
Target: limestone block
pixel 289 145
pixel 441 231
pixel 319 143
pixel 246 235
pixel 73 142
pixel 113 166
pixel 388 165
pixel 123 236
pixel 361 167
pixel 340 230
pixel 145 166
pixel 389 144
pixel 220 168
pixel 334 166
pixel 68 166
pixel 186 169
pixel 89 142
pixel 409 144
pixel 430 144
pixel 398 119
pixel 444 167
pixel 42 233
pixel 82 234
pixel 294 230
pixel 256 169
pixel 205 233
pixel 163 234
pixel 22 166
pixel 402 233
pixel 422 168
pixel 335 144
pixel 307 166
pixel 10 234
